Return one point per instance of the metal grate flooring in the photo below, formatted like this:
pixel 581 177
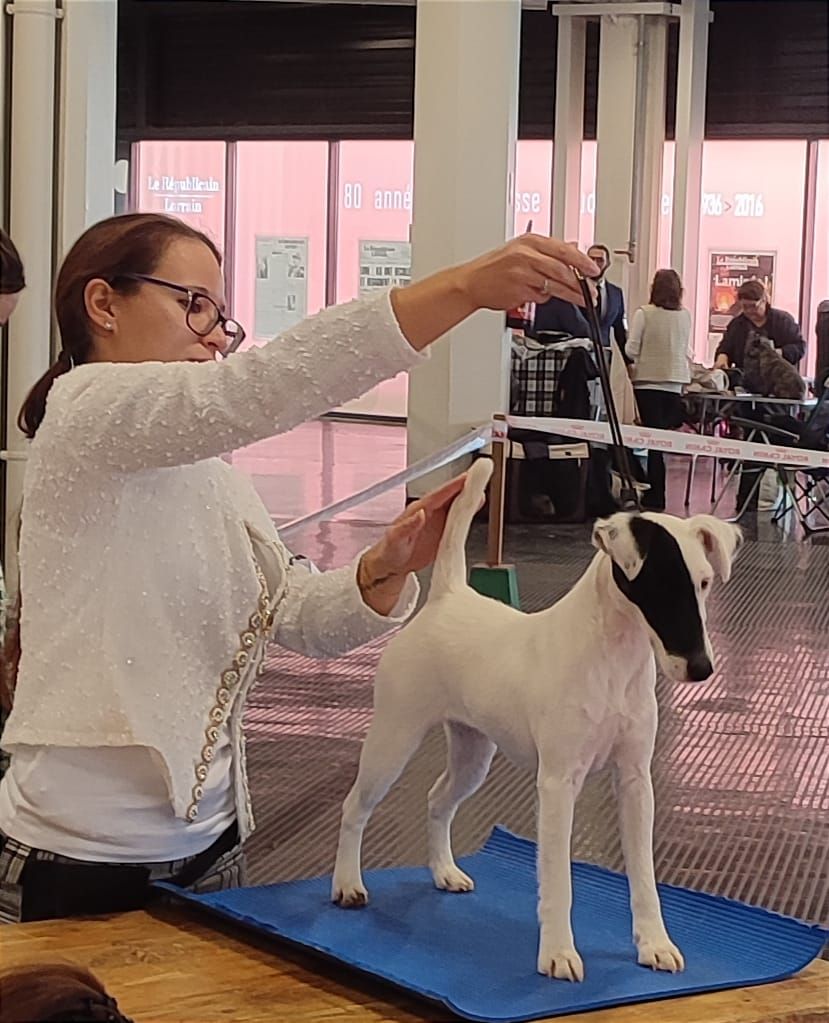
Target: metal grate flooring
pixel 741 771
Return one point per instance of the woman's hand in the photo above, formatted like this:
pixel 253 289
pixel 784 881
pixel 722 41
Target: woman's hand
pixel 408 545
pixel 530 268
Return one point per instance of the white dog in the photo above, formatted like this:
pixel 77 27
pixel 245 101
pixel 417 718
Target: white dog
pixel 561 692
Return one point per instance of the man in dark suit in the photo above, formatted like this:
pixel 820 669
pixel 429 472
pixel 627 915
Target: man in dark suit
pixel 610 300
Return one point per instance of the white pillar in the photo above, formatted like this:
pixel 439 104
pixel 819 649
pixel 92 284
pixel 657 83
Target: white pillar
pixel 569 126
pixel 631 135
pixel 466 112
pixel 31 226
pixel 87 118
pixel 694 19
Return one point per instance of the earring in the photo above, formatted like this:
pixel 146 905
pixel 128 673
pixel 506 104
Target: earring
pixel 108 325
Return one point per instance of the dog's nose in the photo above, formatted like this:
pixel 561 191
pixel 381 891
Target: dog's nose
pixel 700 668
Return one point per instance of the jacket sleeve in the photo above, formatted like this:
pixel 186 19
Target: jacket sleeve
pixel 125 417
pixel 726 346
pixel 324 615
pixel 620 328
pixel 789 339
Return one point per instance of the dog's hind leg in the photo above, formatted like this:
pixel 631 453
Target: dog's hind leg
pixel 389 744
pixel 469 754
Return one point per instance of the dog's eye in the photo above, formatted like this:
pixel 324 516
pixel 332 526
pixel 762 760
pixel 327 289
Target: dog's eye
pixel 705 584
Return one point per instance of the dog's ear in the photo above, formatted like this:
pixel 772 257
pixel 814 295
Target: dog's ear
pixel 615 537
pixel 721 541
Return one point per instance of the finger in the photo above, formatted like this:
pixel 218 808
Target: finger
pixel 558 280
pixel 563 252
pixel 555 289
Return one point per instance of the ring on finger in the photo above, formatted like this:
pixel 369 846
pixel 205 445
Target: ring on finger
pixel 545 287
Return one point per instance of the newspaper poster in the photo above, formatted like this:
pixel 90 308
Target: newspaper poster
pixel 728 271
pixel 281 284
pixel 384 265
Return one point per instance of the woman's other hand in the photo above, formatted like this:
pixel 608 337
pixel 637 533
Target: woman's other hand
pixel 408 545
pixel 530 268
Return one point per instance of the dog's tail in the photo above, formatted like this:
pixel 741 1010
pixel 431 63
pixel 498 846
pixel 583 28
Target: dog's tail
pixel 450 564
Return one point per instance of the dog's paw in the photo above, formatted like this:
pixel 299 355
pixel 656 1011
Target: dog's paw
pixel 561 964
pixel 661 954
pixel 349 896
pixel 452 879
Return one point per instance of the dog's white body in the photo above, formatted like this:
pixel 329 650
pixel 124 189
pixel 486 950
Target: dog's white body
pixel 560 692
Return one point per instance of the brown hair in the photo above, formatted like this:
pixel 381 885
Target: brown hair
pixel 666 290
pixel 130 244
pixel 12 278
pixel 53 992
pixel 751 291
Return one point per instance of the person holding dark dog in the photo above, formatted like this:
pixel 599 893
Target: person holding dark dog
pixel 757 316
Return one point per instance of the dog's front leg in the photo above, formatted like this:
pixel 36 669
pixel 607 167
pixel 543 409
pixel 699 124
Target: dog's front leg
pixel 557 955
pixel 635 793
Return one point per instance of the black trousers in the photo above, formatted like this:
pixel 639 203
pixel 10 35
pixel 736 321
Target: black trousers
pixel 663 411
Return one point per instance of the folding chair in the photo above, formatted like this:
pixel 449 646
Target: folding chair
pixel 806 491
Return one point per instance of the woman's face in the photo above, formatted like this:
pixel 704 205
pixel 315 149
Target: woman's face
pixel 7 307
pixel 150 323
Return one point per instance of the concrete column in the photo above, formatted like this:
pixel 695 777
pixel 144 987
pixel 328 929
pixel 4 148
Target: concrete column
pixel 569 126
pixel 31 227
pixel 631 134
pixel 466 111
pixel 87 118
pixel 694 19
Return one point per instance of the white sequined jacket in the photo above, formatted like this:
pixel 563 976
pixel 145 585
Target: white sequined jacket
pixel 152 576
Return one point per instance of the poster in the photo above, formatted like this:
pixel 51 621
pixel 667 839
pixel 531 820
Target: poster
pixel 728 271
pixel 281 284
pixel 384 265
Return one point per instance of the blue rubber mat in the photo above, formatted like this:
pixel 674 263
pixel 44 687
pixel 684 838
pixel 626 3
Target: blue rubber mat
pixel 476 952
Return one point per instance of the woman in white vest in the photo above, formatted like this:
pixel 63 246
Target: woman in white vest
pixel 659 345
pixel 152 577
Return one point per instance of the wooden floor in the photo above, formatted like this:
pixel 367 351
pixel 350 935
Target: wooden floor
pixel 171 967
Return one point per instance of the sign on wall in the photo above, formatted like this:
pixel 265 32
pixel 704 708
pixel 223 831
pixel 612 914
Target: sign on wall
pixel 729 270
pixel 384 265
pixel 281 284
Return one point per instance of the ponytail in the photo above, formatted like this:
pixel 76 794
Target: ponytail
pixel 34 407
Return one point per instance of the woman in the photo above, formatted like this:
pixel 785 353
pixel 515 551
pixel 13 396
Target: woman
pixel 151 575
pixel 12 278
pixel 12 282
pixel 659 345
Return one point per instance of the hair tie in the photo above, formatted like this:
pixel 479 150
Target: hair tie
pixel 65 359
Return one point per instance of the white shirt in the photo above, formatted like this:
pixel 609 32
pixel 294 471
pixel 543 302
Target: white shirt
pixel 660 345
pixel 153 578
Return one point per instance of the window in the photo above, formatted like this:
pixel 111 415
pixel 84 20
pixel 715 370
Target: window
pixel 533 185
pixel 820 257
pixel 374 214
pixel 185 180
pixel 751 226
pixel 279 258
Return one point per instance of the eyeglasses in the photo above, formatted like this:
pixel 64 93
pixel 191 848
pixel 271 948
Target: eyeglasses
pixel 202 314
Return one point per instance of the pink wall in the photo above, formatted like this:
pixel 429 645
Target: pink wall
pixel 820 256
pixel 752 202
pixel 533 185
pixel 185 180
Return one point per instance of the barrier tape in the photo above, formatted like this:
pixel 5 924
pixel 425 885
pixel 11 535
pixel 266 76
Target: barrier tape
pixel 471 441
pixel 676 443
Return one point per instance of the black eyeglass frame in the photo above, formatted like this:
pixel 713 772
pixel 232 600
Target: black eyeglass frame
pixel 234 340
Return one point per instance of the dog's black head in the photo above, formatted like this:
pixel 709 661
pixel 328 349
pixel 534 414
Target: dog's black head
pixel 665 566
